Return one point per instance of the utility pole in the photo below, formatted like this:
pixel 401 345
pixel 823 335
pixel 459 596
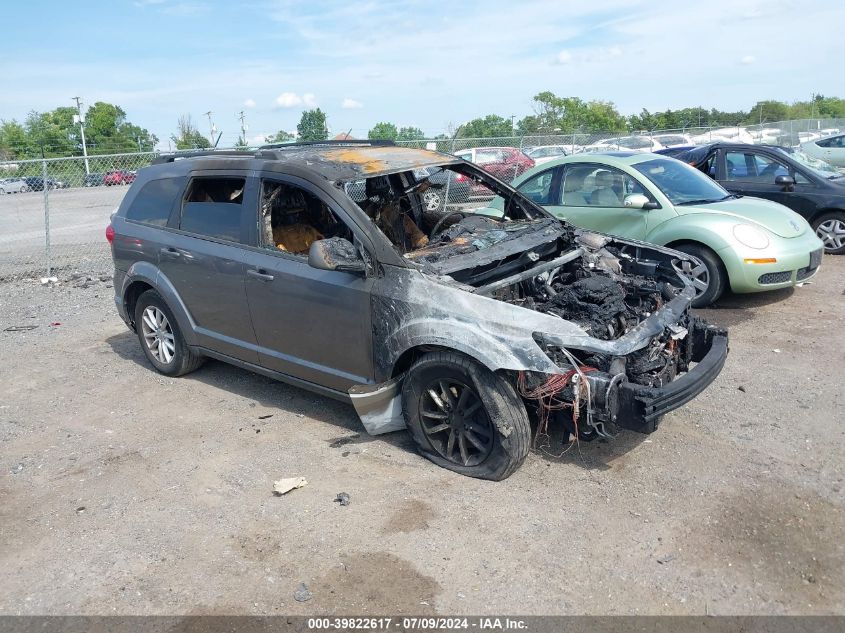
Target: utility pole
pixel 211 127
pixel 513 125
pixel 82 132
pixel 241 117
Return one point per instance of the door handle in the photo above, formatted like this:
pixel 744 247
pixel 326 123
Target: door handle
pixel 259 274
pixel 170 252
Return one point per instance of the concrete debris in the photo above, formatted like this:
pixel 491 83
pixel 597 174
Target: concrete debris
pixel 283 486
pixel 302 594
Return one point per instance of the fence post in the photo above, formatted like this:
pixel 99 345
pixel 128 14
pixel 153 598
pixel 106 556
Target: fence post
pixel 449 176
pixel 46 191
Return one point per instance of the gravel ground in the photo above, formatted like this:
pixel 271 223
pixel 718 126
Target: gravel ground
pixel 127 492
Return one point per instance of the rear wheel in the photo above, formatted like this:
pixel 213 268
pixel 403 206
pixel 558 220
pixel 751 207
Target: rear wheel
pixel 830 228
pixel 464 417
pixel 162 341
pixel 707 275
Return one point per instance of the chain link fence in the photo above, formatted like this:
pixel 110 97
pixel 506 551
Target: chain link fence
pixel 53 212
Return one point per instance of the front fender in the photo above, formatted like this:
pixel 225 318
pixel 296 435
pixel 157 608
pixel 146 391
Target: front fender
pixel 704 228
pixel 520 353
pixel 148 273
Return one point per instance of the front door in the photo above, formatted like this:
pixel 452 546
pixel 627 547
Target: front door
pixel 753 173
pixel 592 196
pixel 311 324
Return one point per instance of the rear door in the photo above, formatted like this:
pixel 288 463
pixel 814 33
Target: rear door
pixel 311 324
pixel 204 260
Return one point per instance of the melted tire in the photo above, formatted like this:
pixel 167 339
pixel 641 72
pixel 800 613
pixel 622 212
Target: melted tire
pixel 504 408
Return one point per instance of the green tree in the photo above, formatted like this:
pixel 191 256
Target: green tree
pixel 383 131
pixel 188 136
pixel 565 115
pixel 53 133
pixel 108 132
pixel 312 126
pixel 767 111
pixel 410 134
pixel 280 137
pixel 13 140
pixel 489 126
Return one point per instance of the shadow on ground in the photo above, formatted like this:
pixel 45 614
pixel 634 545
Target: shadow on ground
pixel 732 309
pixel 271 394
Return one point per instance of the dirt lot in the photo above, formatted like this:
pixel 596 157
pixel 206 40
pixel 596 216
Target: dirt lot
pixel 126 492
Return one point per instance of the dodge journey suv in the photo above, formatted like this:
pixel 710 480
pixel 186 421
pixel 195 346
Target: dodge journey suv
pixel 467 328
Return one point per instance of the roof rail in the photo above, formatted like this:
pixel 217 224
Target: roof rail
pixel 296 144
pixel 169 158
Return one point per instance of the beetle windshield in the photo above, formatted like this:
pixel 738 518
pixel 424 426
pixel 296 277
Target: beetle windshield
pixel 681 183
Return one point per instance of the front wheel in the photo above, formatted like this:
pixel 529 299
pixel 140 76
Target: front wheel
pixel 706 273
pixel 464 417
pixel 160 336
pixel 831 231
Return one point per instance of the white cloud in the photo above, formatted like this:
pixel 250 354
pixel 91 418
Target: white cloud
pixel 288 100
pixel 351 104
pixel 249 103
pixel 748 59
pixel 563 57
pixel 309 99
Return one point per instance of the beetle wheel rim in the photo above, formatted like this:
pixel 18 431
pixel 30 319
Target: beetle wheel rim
pixel 695 272
pixel 832 233
pixel 432 200
pixel 158 335
pixel 455 422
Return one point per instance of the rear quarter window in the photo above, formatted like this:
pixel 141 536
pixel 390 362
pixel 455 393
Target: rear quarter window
pixel 154 201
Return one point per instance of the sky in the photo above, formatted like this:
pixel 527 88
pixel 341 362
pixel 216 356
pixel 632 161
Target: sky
pixel 411 62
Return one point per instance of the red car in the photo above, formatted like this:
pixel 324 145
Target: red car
pixel 505 163
pixel 118 177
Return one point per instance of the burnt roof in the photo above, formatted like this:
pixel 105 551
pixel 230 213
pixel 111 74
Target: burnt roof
pixel 334 160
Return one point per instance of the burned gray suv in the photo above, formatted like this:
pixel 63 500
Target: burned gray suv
pixel 477 329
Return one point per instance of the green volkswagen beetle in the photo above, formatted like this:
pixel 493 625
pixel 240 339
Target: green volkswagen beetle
pixel 747 244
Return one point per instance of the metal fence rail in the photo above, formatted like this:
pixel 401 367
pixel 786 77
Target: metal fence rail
pixel 53 212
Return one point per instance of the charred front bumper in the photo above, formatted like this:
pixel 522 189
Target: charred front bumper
pixel 639 407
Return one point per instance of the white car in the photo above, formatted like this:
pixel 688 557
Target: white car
pixel 544 153
pixel 637 143
pixel 13 185
pixel 673 140
pixel 830 149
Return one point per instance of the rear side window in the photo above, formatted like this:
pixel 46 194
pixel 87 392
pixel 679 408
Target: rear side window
pixel 213 208
pixel 154 201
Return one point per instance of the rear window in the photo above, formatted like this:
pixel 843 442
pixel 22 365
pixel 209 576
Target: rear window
pixel 212 208
pixel 154 201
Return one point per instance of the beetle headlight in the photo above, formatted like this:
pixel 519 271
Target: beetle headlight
pixel 751 236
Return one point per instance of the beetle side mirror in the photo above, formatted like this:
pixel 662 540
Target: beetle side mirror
pixel 335 253
pixel 787 182
pixel 638 201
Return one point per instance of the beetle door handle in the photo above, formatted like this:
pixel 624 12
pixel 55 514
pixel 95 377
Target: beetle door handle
pixel 170 252
pixel 260 274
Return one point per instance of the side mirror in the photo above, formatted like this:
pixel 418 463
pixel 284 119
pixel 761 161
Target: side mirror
pixel 335 253
pixel 787 182
pixel 639 201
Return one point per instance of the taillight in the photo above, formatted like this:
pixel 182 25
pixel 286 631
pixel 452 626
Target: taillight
pixel 110 233
pixel 460 178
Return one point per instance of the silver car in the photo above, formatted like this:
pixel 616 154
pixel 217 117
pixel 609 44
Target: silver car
pixel 13 185
pixel 830 149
